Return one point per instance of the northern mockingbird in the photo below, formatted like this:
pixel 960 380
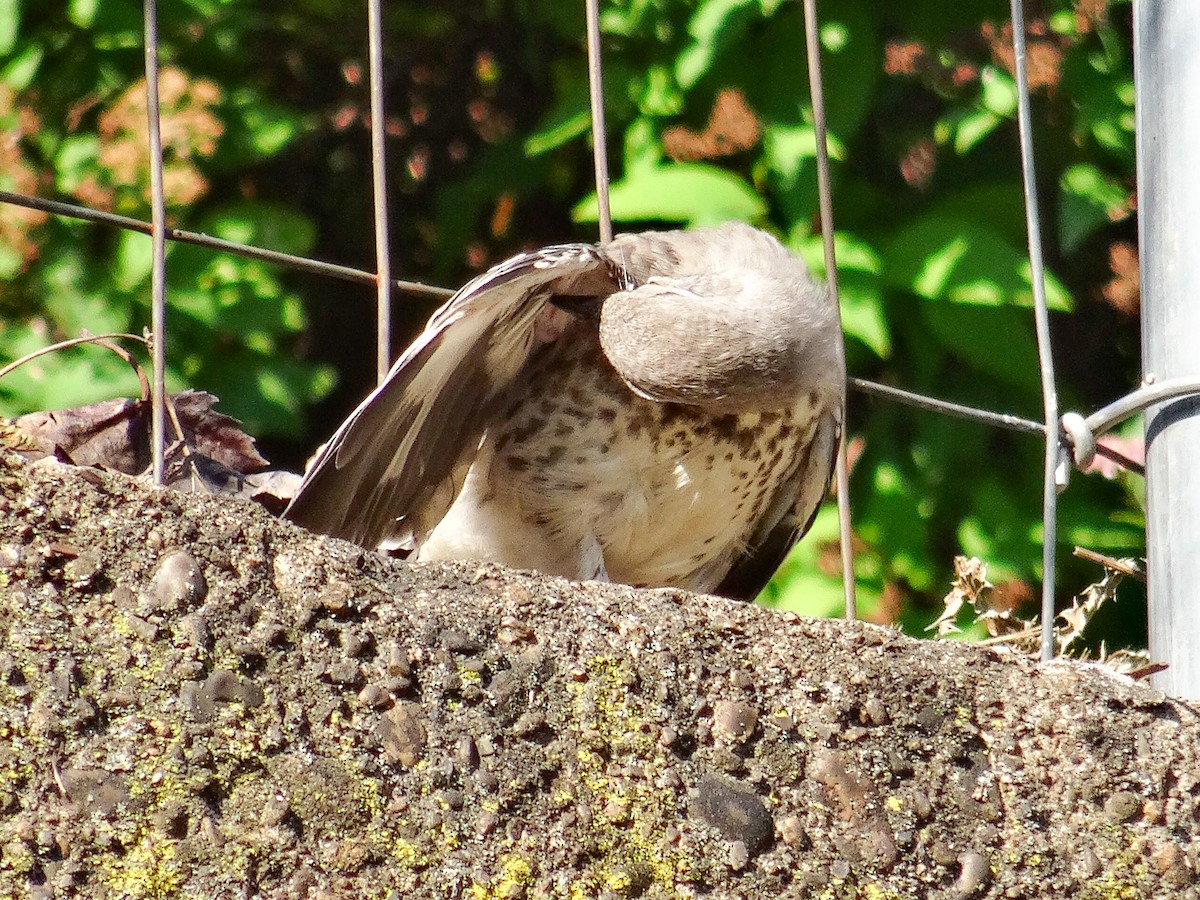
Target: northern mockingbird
pixel 661 410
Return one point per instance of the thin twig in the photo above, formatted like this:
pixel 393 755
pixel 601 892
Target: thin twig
pixel 1123 566
pixel 1022 635
pixel 1120 459
pixel 102 339
pixel 124 354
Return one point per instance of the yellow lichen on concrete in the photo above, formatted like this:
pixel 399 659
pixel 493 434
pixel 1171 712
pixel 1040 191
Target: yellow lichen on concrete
pixel 627 828
pixel 516 873
pixel 148 870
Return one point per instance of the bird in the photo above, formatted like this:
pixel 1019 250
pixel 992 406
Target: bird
pixel 661 410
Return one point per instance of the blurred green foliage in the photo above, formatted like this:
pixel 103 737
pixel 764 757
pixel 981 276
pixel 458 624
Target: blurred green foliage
pixel 264 128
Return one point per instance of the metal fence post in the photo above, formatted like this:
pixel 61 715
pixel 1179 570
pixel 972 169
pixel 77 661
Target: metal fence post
pixel 1166 35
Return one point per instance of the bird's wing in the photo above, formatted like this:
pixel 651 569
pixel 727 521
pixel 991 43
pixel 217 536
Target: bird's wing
pixel 390 457
pixel 791 514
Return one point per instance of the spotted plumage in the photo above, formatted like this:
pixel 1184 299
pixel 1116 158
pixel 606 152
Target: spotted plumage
pixel 661 410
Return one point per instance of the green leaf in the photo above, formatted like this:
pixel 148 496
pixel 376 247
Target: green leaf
pixel 965 127
pixel 999 95
pixel 695 193
pixel 1088 200
pixel 971 334
pixel 972 128
pixel 269 225
pixel 82 13
pixel 71 377
pixel 77 300
pixel 117 25
pixel 135 259
pixel 10 25
pixel 1100 86
pixel 660 95
pixel 76 159
pixel 1004 529
pixel 964 262
pixel 570 115
pixel 804 586
pixel 257 127
pixel 893 518
pixel 787 147
pixel 834 36
pixel 198 304
pixel 860 287
pixel 21 70
pixel 643 149
pixel 562 124
pixel 850 61
pixel 267 393
pixel 998 204
pixel 714 25
pixel 11 262
pixel 862 312
pixel 625 19
pixel 1086 522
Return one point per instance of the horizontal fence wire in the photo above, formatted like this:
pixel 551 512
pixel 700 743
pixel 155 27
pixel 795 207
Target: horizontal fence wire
pixel 196 238
pixel 1099 423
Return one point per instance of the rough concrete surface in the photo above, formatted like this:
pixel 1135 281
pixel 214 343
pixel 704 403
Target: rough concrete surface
pixel 197 700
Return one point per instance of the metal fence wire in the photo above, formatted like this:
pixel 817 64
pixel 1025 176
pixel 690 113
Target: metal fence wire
pixel 1070 439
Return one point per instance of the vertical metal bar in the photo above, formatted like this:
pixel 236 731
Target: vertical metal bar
pixel 1167 83
pixel 158 216
pixel 383 266
pixel 1042 326
pixel 816 89
pixel 596 94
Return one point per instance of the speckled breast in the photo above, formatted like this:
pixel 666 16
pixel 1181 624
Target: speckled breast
pixel 671 492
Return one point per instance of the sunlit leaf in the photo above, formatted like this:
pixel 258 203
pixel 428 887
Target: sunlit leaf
pixel 10 23
pixel 964 262
pixel 973 128
pixel 694 193
pixel 860 288
pixel 562 125
pixel 803 585
pixel 1088 200
pixel 643 148
pixel 788 146
pixel 135 258
pixel 269 225
pixel 20 71
pixel 999 95
pixel 82 13
pixel 660 95
pixel 76 160
pixel 892 516
pixel 714 24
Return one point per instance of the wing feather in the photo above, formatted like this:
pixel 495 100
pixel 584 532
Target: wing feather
pixel 390 458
